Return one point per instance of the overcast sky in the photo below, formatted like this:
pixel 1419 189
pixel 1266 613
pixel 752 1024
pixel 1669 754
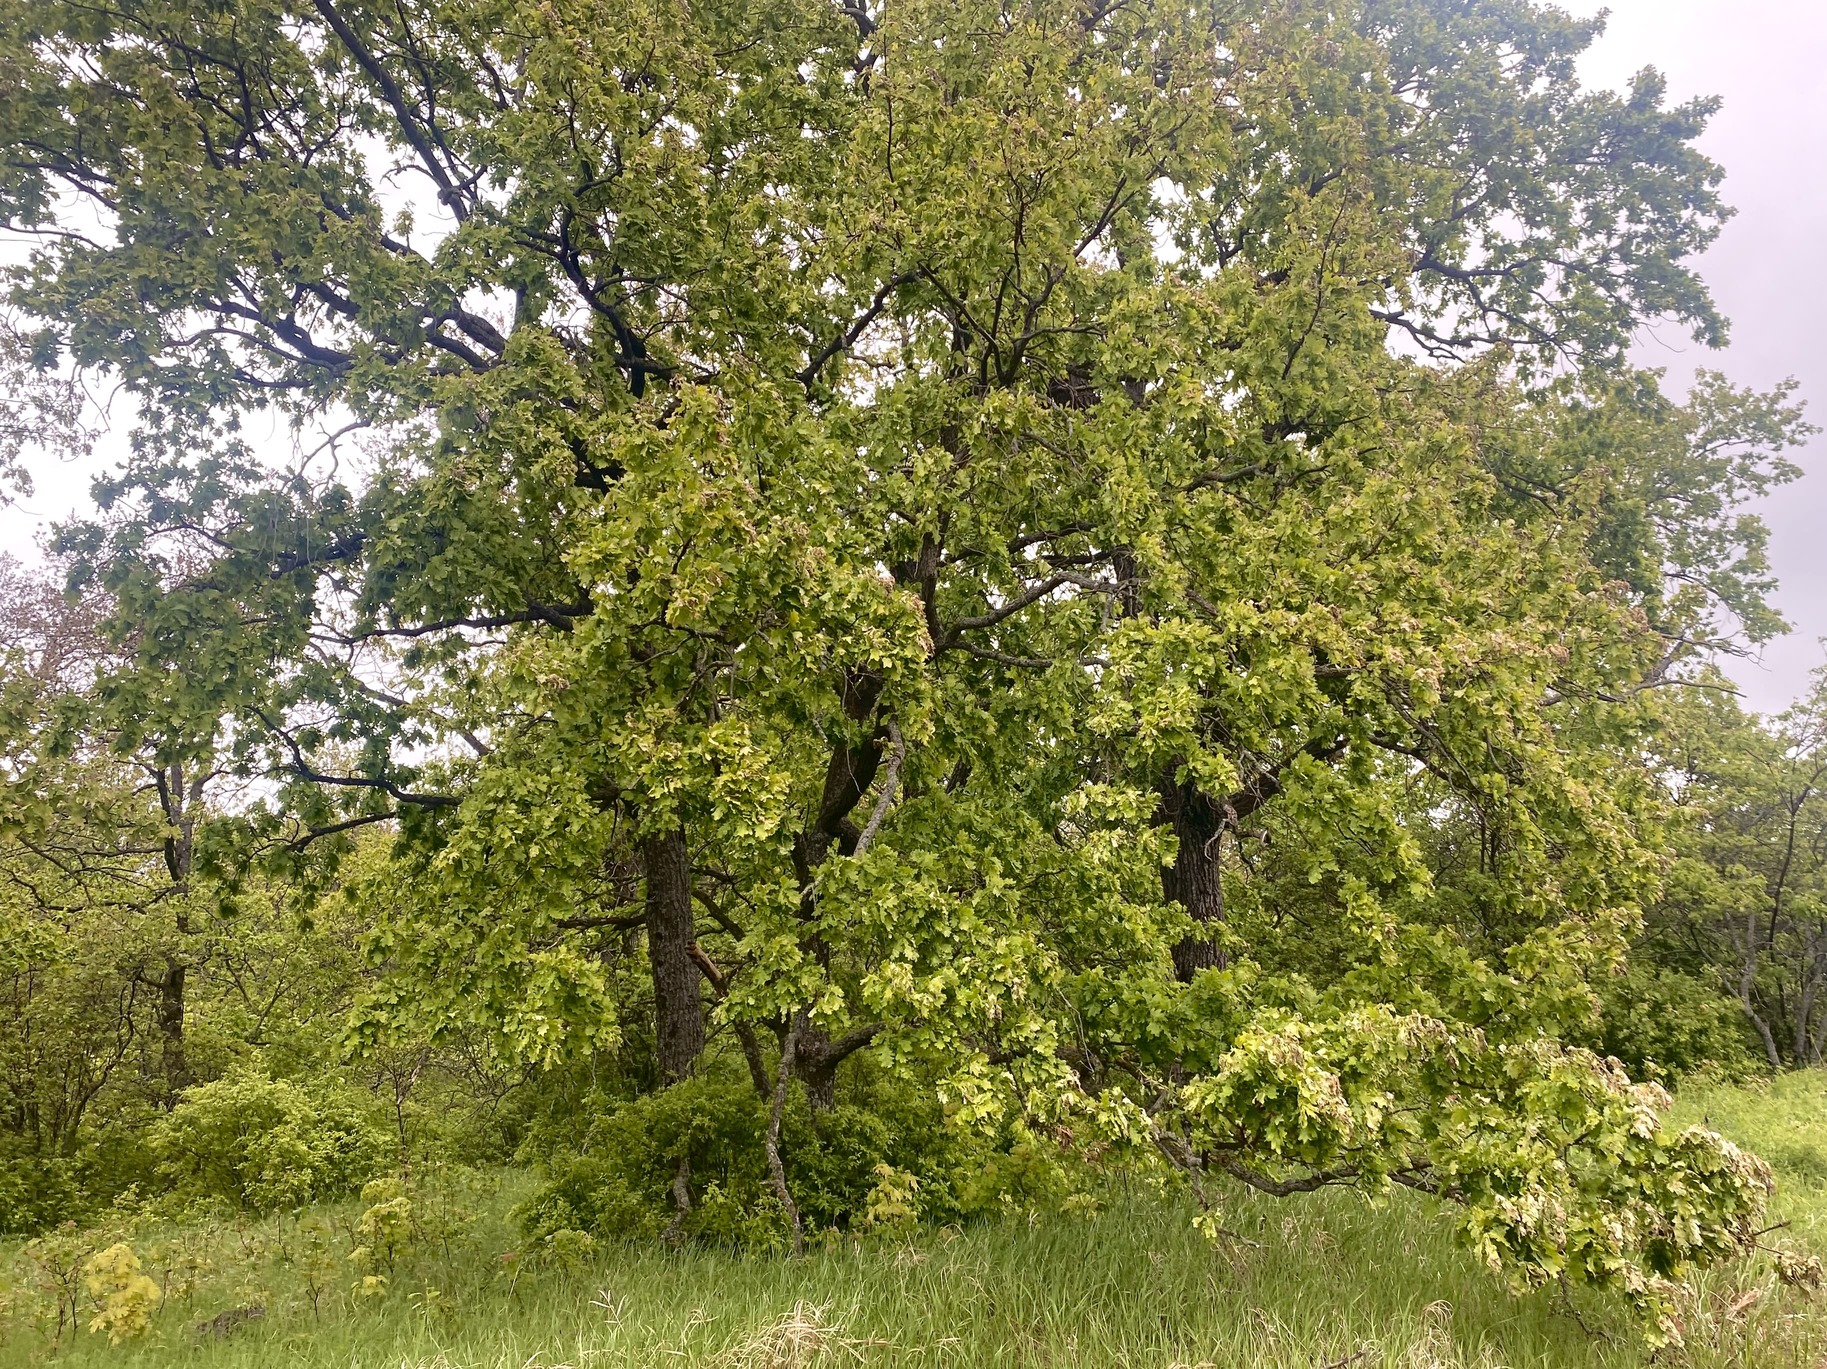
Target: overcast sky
pixel 1768 59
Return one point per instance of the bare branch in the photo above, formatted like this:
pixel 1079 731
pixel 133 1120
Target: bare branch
pixel 890 783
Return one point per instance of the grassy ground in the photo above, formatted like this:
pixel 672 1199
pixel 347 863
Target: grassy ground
pixel 1329 1281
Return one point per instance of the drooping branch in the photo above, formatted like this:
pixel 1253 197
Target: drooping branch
pixel 719 980
pixel 619 922
pixel 561 616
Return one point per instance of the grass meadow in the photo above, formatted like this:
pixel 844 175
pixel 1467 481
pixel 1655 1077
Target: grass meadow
pixel 1327 1281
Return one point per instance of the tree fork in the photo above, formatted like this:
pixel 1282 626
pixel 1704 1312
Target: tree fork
pixel 1196 878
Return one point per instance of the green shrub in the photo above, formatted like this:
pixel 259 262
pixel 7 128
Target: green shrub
pixel 621 1187
pixel 267 1144
pixel 40 1190
pixel 36 1191
pixel 1664 1024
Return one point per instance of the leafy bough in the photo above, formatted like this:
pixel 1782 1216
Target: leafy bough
pixel 1561 1167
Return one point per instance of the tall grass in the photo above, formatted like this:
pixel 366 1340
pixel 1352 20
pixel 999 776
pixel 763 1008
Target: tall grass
pixel 1785 1121
pixel 1326 1280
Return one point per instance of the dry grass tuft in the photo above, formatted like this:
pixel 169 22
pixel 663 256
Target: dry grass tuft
pixel 801 1338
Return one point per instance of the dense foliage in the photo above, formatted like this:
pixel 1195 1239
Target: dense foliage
pixel 1097 571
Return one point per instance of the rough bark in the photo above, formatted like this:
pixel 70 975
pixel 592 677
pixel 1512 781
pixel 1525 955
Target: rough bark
pixel 674 1235
pixel 850 772
pixel 678 1008
pixel 1747 989
pixel 818 1075
pixel 173 1057
pixel 1194 879
pixel 817 1057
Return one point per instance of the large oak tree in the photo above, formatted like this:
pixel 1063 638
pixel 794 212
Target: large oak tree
pixel 952 521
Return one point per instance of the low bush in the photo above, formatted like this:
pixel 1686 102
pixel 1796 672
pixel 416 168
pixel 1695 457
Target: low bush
pixel 267 1144
pixel 42 1188
pixel 622 1187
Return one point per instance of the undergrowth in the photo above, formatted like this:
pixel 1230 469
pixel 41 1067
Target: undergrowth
pixel 448 1281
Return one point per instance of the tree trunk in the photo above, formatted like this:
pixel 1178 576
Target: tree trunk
pixel 678 1010
pixel 179 799
pixel 1747 987
pixel 815 1067
pixel 1193 880
pixel 171 1027
pixel 817 1057
pixel 1804 1014
pixel 850 772
pixel 777 1170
